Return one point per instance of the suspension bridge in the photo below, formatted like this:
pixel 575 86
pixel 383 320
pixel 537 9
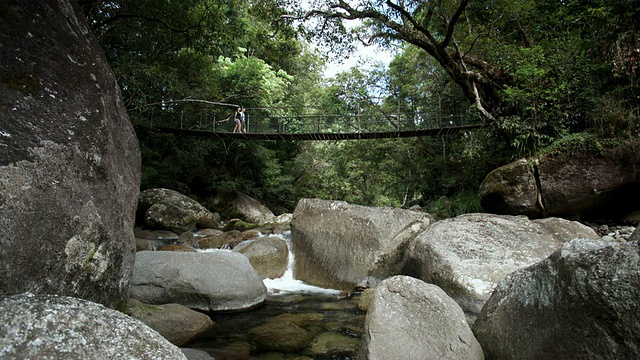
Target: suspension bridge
pixel 312 126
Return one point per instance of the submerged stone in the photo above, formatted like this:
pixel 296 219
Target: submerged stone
pixel 281 336
pixel 332 342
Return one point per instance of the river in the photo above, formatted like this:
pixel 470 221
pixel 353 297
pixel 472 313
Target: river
pixel 297 321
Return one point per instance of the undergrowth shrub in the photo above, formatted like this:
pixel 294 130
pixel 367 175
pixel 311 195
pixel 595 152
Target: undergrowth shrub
pixel 463 202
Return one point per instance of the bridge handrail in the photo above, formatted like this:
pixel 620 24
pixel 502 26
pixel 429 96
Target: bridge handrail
pixel 313 123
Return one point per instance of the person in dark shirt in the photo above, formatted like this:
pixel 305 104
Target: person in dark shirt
pixel 238 119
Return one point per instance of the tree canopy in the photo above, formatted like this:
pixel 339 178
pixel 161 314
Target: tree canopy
pixel 538 72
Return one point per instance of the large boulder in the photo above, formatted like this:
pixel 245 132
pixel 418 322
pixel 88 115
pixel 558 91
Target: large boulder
pixel 175 322
pixel 410 319
pixel 61 327
pixel 69 159
pixel 593 184
pixel 168 209
pixel 468 255
pixel 511 190
pixel 236 204
pixel 269 255
pixel 580 303
pixel 209 281
pixel 341 246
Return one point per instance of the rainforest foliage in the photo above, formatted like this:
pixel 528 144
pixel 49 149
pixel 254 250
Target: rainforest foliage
pixel 536 72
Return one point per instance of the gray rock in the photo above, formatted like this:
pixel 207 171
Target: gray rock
pixel 166 235
pixel 144 234
pixel 235 204
pixel 604 184
pixel 144 244
pixel 195 354
pixel 341 246
pixel 580 303
pixel 635 235
pixel 169 216
pixel 468 255
pixel 178 247
pixel 174 322
pixel 209 232
pixel 168 209
pixel 269 255
pixel 57 327
pixel 410 319
pixel 69 159
pixel 211 281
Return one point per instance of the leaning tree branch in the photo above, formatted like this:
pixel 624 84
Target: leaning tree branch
pixel 411 31
pixel 452 23
pixel 406 15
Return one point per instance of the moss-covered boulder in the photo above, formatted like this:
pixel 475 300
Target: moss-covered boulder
pixel 589 181
pixel 168 209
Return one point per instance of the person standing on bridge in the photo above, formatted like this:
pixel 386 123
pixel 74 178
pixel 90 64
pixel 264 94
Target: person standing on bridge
pixel 243 120
pixel 238 119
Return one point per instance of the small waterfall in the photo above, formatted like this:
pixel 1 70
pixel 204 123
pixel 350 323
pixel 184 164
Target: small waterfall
pixel 287 284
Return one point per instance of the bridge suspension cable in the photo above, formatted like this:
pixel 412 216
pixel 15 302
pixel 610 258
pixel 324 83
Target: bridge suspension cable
pixel 265 125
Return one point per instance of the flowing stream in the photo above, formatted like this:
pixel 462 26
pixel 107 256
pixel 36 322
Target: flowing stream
pixel 297 321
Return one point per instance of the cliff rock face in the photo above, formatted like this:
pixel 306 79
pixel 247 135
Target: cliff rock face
pixel 604 184
pixel 69 159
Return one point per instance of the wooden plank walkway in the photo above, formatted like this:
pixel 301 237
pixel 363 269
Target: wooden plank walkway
pixel 321 136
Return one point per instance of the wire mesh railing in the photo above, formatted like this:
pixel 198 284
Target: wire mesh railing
pixel 223 122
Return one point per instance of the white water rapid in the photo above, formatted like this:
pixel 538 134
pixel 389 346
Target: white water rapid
pixel 287 284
